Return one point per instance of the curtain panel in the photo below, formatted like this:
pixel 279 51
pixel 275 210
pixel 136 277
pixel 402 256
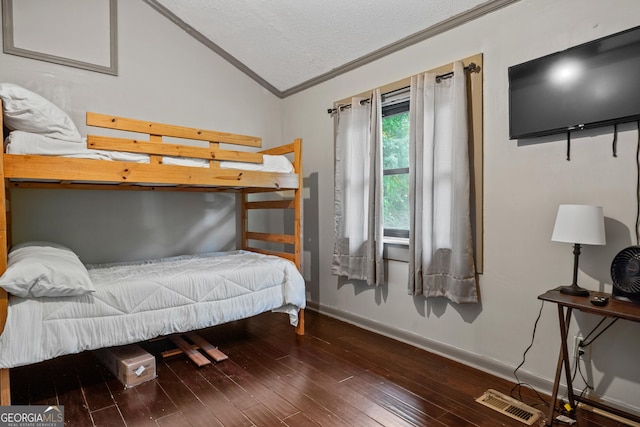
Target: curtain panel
pixel 358 250
pixel 441 258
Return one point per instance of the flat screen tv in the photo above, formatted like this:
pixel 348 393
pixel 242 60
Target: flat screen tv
pixel 590 85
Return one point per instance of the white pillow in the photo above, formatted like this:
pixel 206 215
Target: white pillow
pixel 45 269
pixel 30 112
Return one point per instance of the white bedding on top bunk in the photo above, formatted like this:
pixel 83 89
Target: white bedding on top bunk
pixel 138 301
pixel 19 142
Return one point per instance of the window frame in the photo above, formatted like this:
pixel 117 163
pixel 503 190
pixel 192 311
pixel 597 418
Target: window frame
pixel 392 108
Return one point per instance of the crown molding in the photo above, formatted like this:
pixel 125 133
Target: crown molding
pixel 410 40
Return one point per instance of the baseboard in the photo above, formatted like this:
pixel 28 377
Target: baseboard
pixel 485 364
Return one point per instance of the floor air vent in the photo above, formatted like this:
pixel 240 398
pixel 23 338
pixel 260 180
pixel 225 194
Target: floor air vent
pixel 510 407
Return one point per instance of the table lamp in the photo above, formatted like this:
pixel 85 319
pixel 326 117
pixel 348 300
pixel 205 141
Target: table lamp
pixel 580 225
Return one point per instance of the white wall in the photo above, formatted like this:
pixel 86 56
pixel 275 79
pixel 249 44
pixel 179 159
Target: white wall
pixel 165 76
pixel 523 185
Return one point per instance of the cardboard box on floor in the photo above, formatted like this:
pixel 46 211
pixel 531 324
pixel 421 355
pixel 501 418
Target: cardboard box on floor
pixel 131 364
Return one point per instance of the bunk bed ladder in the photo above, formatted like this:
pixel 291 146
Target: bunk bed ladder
pixel 294 203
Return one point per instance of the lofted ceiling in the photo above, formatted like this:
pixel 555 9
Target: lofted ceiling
pixel 290 45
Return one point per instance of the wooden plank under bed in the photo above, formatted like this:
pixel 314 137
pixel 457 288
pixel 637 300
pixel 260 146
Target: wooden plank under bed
pixel 33 171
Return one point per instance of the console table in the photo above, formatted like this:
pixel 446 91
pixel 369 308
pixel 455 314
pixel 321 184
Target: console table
pixel 566 303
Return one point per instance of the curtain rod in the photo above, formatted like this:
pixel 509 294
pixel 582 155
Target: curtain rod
pixel 471 68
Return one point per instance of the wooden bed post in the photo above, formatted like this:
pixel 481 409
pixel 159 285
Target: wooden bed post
pixel 4 241
pixel 297 164
pixel 5 388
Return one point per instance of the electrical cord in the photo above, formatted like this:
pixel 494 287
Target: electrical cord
pixel 578 369
pixel 614 144
pixel 520 384
pixel 586 342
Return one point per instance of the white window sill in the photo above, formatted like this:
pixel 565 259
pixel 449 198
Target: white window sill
pixel 404 241
pixel 396 249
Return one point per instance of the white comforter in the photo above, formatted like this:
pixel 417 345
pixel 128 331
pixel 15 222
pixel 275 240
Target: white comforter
pixel 139 301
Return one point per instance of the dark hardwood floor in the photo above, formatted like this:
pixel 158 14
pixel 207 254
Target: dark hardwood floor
pixel 336 375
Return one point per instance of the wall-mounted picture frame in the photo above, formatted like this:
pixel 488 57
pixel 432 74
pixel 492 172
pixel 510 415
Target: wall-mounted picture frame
pixel 76 33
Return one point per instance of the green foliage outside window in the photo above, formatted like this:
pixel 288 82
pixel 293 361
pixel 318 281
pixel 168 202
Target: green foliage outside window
pixel 395 147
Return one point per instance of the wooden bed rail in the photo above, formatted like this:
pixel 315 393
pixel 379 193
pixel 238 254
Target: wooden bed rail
pixel 164 149
pixel 156 147
pixel 69 171
pixel 141 126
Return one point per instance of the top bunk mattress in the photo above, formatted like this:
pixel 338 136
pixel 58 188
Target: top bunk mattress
pixel 20 142
pixel 136 301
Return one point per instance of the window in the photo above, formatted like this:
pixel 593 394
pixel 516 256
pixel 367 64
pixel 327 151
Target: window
pixel 395 104
pixel 395 164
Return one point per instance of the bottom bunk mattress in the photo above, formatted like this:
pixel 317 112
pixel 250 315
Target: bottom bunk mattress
pixel 136 301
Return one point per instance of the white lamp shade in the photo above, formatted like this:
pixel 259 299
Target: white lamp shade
pixel 582 224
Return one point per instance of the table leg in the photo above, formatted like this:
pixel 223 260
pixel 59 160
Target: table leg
pixel 564 327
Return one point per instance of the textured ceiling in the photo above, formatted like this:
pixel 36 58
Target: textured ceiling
pixel 287 45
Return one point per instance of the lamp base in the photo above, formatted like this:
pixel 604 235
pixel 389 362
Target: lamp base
pixel 574 290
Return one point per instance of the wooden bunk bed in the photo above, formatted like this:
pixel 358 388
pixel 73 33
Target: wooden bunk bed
pixel 40 171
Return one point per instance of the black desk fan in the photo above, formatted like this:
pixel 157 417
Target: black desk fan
pixel 625 273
